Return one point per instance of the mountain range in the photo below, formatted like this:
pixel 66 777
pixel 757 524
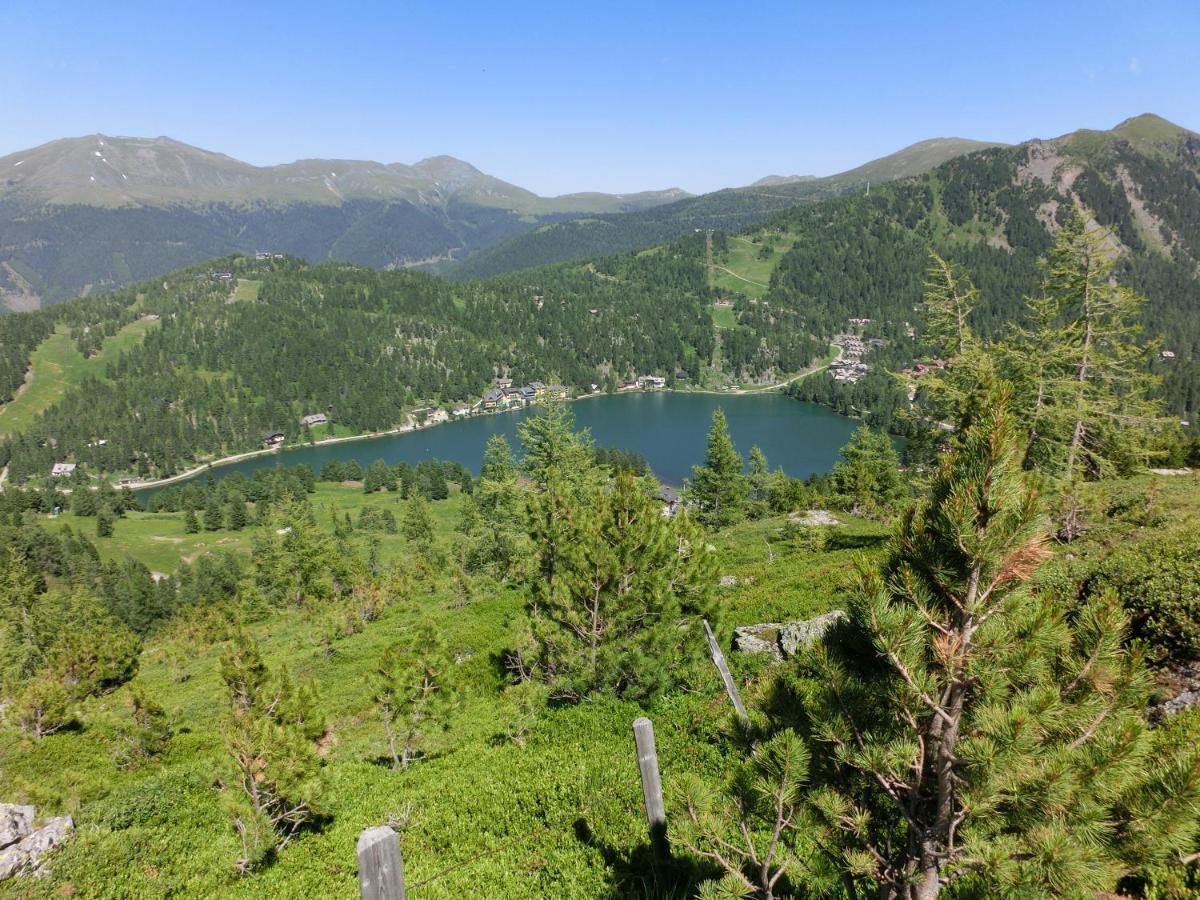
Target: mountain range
pixel 95 212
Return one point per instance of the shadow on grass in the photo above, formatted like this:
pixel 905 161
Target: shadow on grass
pixel 640 874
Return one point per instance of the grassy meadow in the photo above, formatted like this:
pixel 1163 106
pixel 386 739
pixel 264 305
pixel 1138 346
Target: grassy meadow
pixel 58 366
pixel 506 805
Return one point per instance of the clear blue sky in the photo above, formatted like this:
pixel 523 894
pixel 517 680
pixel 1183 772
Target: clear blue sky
pixel 612 96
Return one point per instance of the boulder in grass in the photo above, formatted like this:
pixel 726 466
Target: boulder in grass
pixel 16 822
pixel 784 640
pixel 28 852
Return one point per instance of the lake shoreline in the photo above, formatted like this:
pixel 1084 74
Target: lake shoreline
pixel 374 435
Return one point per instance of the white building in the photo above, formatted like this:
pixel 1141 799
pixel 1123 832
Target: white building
pixel 62 470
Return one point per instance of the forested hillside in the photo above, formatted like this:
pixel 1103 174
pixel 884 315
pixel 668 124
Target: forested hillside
pixel 366 348
pixel 994 213
pixel 728 210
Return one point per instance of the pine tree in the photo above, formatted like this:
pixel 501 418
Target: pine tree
pixel 191 525
pixel 269 734
pixel 868 475
pixel 417 526
pixel 413 692
pixel 379 476
pixel 966 730
pixel 213 520
pixel 104 522
pixel 144 735
pixel 718 488
pixel 621 588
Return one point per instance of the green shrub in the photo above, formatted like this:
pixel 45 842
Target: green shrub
pixel 1159 584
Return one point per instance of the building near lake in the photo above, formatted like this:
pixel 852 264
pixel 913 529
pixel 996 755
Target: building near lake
pixel 314 419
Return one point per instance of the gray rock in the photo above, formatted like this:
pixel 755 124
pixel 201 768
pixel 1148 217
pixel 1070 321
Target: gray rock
pixel 814 517
pixel 784 640
pixel 15 823
pixel 762 638
pixel 797 635
pixel 30 852
pixel 728 581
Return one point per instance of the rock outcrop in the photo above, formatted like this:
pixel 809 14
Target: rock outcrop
pixel 23 847
pixel 784 640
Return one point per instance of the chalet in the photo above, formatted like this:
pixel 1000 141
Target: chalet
pixel 273 438
pixel 512 393
pixel 502 383
pixel 528 393
pixel 555 392
pixel 670 500
pixel 537 386
pixel 62 470
pixel 492 398
pixel 681 375
pixel 628 386
pixel 1165 355
pixel 314 419
pixel 651 382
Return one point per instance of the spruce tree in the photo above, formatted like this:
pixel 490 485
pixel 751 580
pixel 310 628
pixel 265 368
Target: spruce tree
pixel 213 520
pixel 104 522
pixel 417 526
pixel 868 475
pixel 718 488
pixel 964 730
pixel 191 525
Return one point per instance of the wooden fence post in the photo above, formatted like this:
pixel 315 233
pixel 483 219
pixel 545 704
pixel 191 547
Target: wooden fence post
pixel 730 687
pixel 380 866
pixel 656 813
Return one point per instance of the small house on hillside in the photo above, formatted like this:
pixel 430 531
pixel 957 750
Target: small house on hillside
pixel 314 419
pixel 502 382
pixel 62 470
pixel 273 438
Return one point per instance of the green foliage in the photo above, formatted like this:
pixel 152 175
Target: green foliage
pixel 621 590
pixel 867 478
pixel 268 738
pixel 413 692
pixel 718 488
pixel 144 735
pixel 1159 584
pixel 970 732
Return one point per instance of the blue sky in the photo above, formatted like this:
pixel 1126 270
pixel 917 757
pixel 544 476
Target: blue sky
pixel 611 96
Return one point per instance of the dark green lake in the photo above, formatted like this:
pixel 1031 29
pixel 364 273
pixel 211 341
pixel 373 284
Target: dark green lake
pixel 669 429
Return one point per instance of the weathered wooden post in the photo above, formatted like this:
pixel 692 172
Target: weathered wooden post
pixel 730 687
pixel 380 866
pixel 656 813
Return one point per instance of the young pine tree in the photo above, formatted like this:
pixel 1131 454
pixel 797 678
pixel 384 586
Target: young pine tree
pixel 413 692
pixel 718 488
pixel 269 737
pixel 967 732
pixel 621 590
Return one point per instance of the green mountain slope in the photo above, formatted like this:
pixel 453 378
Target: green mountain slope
pixel 730 209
